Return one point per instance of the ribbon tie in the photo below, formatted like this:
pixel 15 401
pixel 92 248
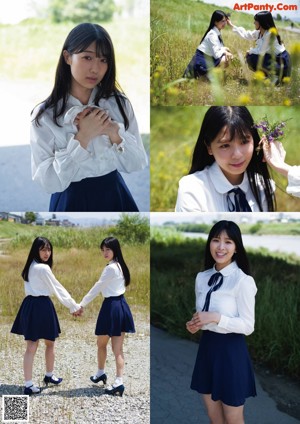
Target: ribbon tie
pixel 240 201
pixel 220 39
pixel 70 116
pixel 214 285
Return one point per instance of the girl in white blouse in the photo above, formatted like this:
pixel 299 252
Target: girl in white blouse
pixel 263 22
pixel 85 132
pixel 211 51
pixel 37 318
pixel 115 318
pixel 227 173
pixel 225 304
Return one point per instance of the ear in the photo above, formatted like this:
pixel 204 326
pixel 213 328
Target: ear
pixel 209 151
pixel 67 57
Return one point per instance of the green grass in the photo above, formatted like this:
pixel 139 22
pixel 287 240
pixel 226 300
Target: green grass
pixel 175 262
pixel 176 30
pixel 174 132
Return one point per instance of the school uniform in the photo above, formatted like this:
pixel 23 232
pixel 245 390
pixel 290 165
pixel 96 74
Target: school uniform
pixel 223 367
pixel 208 55
pixel 263 48
pixel 115 316
pixel 210 191
pixel 85 179
pixel 37 318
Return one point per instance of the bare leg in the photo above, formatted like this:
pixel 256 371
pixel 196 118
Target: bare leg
pixel 102 351
pixel 117 347
pixel 49 355
pixel 233 414
pixel 214 410
pixel 30 352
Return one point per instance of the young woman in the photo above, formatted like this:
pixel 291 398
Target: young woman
pixel 211 51
pixel 115 318
pixel 85 132
pixel 227 173
pixel 263 22
pixel 37 318
pixel 274 155
pixel 225 303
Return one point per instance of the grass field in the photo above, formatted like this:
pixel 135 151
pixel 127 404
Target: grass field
pixel 176 30
pixel 174 132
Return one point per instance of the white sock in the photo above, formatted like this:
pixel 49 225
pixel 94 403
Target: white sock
pixel 118 381
pixel 28 383
pixel 50 374
pixel 100 372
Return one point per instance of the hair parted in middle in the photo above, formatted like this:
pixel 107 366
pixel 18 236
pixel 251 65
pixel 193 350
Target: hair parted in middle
pixel 239 122
pixel 234 233
pixel 113 244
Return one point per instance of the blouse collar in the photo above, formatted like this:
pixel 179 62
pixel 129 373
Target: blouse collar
pixel 220 182
pixel 228 269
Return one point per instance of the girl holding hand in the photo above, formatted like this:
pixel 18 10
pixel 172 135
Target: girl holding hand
pixel 37 318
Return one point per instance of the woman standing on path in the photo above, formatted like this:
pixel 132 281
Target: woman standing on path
pixel 37 318
pixel 115 318
pixel 85 132
pixel 225 303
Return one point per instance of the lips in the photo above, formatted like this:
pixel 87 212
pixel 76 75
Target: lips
pixel 238 165
pixel 92 80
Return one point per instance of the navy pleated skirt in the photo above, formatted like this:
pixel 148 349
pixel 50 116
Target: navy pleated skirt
pixel 282 65
pixel 200 65
pixel 37 319
pixel 223 368
pixel 114 317
pixel 108 193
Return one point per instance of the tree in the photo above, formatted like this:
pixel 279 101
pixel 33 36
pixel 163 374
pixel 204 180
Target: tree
pixel 30 216
pixel 133 228
pixel 79 11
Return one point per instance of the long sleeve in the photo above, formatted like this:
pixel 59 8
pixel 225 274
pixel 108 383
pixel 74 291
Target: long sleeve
pixel 293 187
pixel 244 323
pixel 105 279
pixel 217 49
pixel 246 34
pixel 47 277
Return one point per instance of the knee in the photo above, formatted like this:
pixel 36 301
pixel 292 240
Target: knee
pixel 32 347
pixel 49 345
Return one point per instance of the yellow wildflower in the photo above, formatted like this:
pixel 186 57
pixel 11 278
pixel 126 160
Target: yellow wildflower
pixel 295 48
pixel 259 75
pixel 287 102
pixel 273 31
pixel 244 99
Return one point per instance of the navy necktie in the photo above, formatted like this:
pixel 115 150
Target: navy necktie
pixel 220 39
pixel 240 201
pixel 214 285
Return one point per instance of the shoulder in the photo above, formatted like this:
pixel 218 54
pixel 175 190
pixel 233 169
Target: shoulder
pixel 111 269
pixel 41 268
pixel 198 177
pixel 246 282
pixel 47 113
pixel 202 277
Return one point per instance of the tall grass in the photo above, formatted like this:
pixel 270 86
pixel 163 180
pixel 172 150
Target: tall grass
pixel 175 262
pixel 176 30
pixel 174 132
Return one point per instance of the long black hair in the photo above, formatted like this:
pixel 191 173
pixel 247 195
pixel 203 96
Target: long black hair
pixel 76 42
pixel 234 233
pixel 38 244
pixel 217 16
pixel 113 244
pixel 239 121
pixel 266 21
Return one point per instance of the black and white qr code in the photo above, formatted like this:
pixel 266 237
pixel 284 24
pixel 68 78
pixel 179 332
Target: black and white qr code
pixel 15 409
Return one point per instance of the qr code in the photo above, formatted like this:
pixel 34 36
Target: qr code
pixel 15 408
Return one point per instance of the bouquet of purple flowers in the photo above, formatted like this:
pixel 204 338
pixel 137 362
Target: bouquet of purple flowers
pixel 271 132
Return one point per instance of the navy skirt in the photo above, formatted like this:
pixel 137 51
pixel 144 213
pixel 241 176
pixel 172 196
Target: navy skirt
pixel 282 66
pixel 223 368
pixel 200 65
pixel 108 193
pixel 114 317
pixel 37 319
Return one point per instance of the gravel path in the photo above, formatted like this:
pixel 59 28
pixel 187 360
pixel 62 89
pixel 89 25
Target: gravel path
pixel 77 399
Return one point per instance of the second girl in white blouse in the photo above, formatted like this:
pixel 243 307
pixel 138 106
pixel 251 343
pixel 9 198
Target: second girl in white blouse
pixel 85 132
pixel 115 318
pixel 225 304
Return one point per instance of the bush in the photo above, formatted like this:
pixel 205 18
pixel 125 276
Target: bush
pixel 79 11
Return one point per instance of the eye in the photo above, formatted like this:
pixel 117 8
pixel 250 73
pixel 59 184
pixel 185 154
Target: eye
pixel 87 57
pixel 224 146
pixel 103 60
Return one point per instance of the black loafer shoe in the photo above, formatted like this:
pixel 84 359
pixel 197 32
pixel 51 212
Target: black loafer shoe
pixel 102 377
pixel 29 391
pixel 50 380
pixel 115 390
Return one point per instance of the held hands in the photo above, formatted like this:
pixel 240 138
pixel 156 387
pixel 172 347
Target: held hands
pixel 92 122
pixel 202 318
pixel 78 313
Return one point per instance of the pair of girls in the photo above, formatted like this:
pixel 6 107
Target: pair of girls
pixel 227 172
pixel 225 305
pixel 37 318
pixel 211 51
pixel 85 132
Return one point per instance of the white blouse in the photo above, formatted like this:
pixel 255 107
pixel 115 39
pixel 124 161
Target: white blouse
pixel 211 45
pixel 205 191
pixel 293 187
pixel 110 283
pixel 42 282
pixel 262 42
pixel 234 300
pixel 58 158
